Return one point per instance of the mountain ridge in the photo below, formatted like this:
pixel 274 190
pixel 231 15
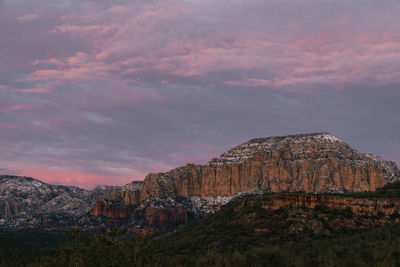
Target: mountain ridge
pixel 276 164
pixel 314 163
pixel 26 202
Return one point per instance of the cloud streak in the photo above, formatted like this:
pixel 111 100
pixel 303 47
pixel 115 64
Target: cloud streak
pixel 20 108
pixel 143 41
pixel 28 17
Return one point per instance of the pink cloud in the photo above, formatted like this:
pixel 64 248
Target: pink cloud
pixel 80 67
pixel 28 17
pixel 250 83
pixel 118 97
pixel 96 64
pixel 20 108
pixel 80 179
pixel 129 42
pixel 37 89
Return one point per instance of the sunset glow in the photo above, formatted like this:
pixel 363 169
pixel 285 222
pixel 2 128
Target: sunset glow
pixel 104 92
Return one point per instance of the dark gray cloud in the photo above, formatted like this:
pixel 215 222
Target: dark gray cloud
pixel 93 92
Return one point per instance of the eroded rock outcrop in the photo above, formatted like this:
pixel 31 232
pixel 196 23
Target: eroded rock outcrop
pixel 152 216
pixel 310 162
pixel 159 216
pixel 119 204
pixel 26 202
pixel 111 210
pixel 359 206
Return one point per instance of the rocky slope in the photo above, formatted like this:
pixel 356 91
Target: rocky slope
pixel 155 214
pixel 26 202
pixel 313 163
pixel 372 207
pixel 286 219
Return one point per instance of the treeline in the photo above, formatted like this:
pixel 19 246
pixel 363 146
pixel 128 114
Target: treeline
pixel 389 190
pixel 233 236
pixel 20 248
pixel 380 247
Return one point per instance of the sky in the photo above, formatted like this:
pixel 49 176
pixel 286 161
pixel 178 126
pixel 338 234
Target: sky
pixel 104 92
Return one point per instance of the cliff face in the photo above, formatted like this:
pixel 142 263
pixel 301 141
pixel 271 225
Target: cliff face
pixel 150 217
pixel 310 163
pixel 127 197
pixel 102 208
pixel 158 220
pixel 359 206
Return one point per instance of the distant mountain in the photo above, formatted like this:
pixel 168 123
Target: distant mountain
pixel 29 203
pixel 315 163
pixel 272 229
pixel 265 192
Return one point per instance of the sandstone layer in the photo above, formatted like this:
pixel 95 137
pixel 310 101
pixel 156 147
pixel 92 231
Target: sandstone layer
pixel 310 162
pixel 359 206
pixel 150 217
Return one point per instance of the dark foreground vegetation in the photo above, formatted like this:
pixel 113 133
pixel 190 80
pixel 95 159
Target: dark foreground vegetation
pixel 379 247
pixel 389 190
pixel 242 233
pixel 24 247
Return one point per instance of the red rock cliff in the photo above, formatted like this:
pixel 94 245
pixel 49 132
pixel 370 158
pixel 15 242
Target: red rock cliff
pixel 310 163
pixel 102 208
pixel 158 215
pixel 359 206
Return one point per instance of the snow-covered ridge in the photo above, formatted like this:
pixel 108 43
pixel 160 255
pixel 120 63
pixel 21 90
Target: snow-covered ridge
pixel 197 205
pixel 133 186
pixel 29 195
pixel 303 147
pixel 206 205
pixel 245 151
pixel 389 166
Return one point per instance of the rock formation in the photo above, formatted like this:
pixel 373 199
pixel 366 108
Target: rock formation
pixel 129 195
pixel 159 216
pixel 107 209
pixel 314 163
pixel 152 216
pixel 358 206
pixel 28 203
pixel 309 162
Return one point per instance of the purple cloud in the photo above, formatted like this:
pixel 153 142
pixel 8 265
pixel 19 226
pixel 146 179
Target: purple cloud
pixel 98 92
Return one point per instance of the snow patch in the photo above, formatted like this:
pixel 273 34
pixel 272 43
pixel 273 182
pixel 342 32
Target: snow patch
pixel 329 138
